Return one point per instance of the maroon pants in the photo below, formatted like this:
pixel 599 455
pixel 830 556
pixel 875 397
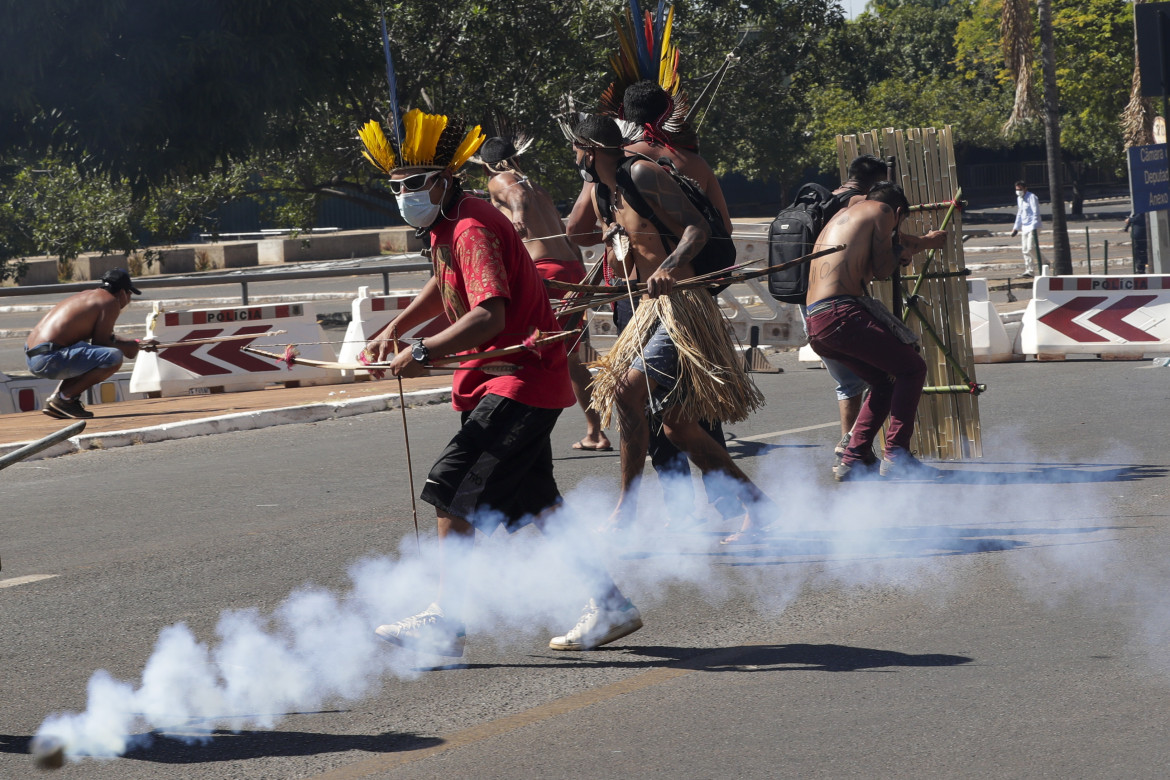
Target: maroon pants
pixel 846 332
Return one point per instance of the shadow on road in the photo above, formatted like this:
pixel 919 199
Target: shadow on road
pixel 221 745
pixel 780 548
pixel 799 657
pixel 741 658
pixel 1051 473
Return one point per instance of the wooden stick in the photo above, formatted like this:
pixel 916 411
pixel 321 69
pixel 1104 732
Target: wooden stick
pixel 213 340
pixel 406 438
pixel 703 281
pixel 33 448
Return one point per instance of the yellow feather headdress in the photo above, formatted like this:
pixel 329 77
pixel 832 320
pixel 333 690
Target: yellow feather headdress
pixel 420 139
pixel 429 141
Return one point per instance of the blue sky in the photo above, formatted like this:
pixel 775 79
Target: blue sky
pixel 853 7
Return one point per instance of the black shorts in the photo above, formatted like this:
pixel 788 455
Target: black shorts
pixel 498 468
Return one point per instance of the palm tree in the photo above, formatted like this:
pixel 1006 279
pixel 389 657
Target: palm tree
pixel 1016 28
pixel 1060 245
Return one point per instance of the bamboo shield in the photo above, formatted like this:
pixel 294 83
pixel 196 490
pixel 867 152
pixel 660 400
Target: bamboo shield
pixel 947 426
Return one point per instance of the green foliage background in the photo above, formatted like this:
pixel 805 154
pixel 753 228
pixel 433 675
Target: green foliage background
pixel 127 121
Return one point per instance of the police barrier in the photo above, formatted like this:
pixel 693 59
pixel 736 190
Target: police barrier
pixel 222 366
pixel 371 313
pixel 990 341
pixel 1108 316
pixel 29 393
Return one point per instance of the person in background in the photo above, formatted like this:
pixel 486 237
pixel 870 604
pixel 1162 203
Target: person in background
pixel 1027 226
pixel 1136 225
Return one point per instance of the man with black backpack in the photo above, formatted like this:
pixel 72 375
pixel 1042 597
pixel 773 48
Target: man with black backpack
pixel 793 235
pixel 647 113
pixel 662 247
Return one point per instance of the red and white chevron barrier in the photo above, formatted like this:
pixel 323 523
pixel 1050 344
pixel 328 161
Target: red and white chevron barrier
pixel 1110 316
pixel 371 313
pixel 222 366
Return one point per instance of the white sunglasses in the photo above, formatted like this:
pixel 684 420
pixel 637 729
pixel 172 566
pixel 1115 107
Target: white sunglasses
pixel 412 183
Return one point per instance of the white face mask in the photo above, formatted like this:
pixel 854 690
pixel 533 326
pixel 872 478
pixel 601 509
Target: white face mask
pixel 416 207
pixel 1019 193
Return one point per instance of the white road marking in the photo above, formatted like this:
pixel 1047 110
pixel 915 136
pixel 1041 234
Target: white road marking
pixel 25 580
pixel 774 434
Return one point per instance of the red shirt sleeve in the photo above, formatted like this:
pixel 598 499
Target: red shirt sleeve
pixel 481 263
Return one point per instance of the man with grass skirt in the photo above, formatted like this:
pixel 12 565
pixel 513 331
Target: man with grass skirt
pixel 674 358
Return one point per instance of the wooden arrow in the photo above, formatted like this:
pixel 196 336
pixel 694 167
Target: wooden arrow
pixel 212 340
pixel 699 282
pixel 333 365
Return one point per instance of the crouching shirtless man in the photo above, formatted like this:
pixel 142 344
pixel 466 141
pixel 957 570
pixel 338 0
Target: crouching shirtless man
pixel 846 325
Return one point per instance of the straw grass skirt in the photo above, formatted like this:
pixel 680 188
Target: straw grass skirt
pixel 712 383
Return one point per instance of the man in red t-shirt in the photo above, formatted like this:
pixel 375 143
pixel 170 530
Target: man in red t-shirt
pixel 501 459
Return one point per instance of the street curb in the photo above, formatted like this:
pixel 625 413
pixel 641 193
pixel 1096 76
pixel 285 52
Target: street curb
pixel 240 421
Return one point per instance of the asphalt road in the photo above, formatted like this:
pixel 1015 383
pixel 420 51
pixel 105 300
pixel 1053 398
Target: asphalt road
pixel 1008 620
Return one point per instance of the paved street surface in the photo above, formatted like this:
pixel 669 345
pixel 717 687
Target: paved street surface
pixel 1008 620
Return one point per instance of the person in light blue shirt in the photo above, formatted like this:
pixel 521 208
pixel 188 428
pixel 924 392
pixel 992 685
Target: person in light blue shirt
pixel 1027 226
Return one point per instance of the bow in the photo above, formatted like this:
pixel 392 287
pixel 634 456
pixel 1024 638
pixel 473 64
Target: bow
pixel 700 281
pixel 212 340
pixel 292 359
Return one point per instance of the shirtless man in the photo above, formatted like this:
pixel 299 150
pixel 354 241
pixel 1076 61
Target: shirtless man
pixel 598 155
pixel 864 171
pixel 646 104
pixel 75 343
pixel 843 325
pixel 530 209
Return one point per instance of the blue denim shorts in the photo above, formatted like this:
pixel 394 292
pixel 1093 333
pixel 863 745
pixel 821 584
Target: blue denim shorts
pixel 849 384
pixel 660 364
pixel 75 360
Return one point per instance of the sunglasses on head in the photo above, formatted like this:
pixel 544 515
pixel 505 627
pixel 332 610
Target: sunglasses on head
pixel 412 183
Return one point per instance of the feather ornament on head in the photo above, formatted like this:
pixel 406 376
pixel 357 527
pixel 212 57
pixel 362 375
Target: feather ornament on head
pixel 506 142
pixel 430 141
pixel 421 140
pixel 646 52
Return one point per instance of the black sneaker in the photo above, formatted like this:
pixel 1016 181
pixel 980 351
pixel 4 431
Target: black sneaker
pixel 49 410
pixel 68 407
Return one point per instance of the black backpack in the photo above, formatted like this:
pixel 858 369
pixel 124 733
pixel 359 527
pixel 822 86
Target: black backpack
pixel 794 232
pixel 719 251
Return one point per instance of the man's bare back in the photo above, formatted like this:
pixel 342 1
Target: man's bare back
pixel 582 224
pixel 691 165
pixel 531 210
pixel 867 230
pixel 86 316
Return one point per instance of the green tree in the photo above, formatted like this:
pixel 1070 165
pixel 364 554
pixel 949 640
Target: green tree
pixel 1093 46
pixel 896 65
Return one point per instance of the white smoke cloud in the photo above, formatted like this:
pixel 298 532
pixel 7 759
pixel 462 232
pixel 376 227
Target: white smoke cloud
pixel 319 646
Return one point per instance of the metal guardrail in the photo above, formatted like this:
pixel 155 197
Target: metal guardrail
pixel 242 278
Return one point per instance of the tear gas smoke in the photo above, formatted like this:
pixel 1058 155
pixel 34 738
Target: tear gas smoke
pixel 319 647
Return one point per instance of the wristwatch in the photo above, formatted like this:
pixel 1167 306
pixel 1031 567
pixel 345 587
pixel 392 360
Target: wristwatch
pixel 419 352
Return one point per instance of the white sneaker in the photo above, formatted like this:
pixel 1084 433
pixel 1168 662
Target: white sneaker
pixel 429 631
pixel 599 626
